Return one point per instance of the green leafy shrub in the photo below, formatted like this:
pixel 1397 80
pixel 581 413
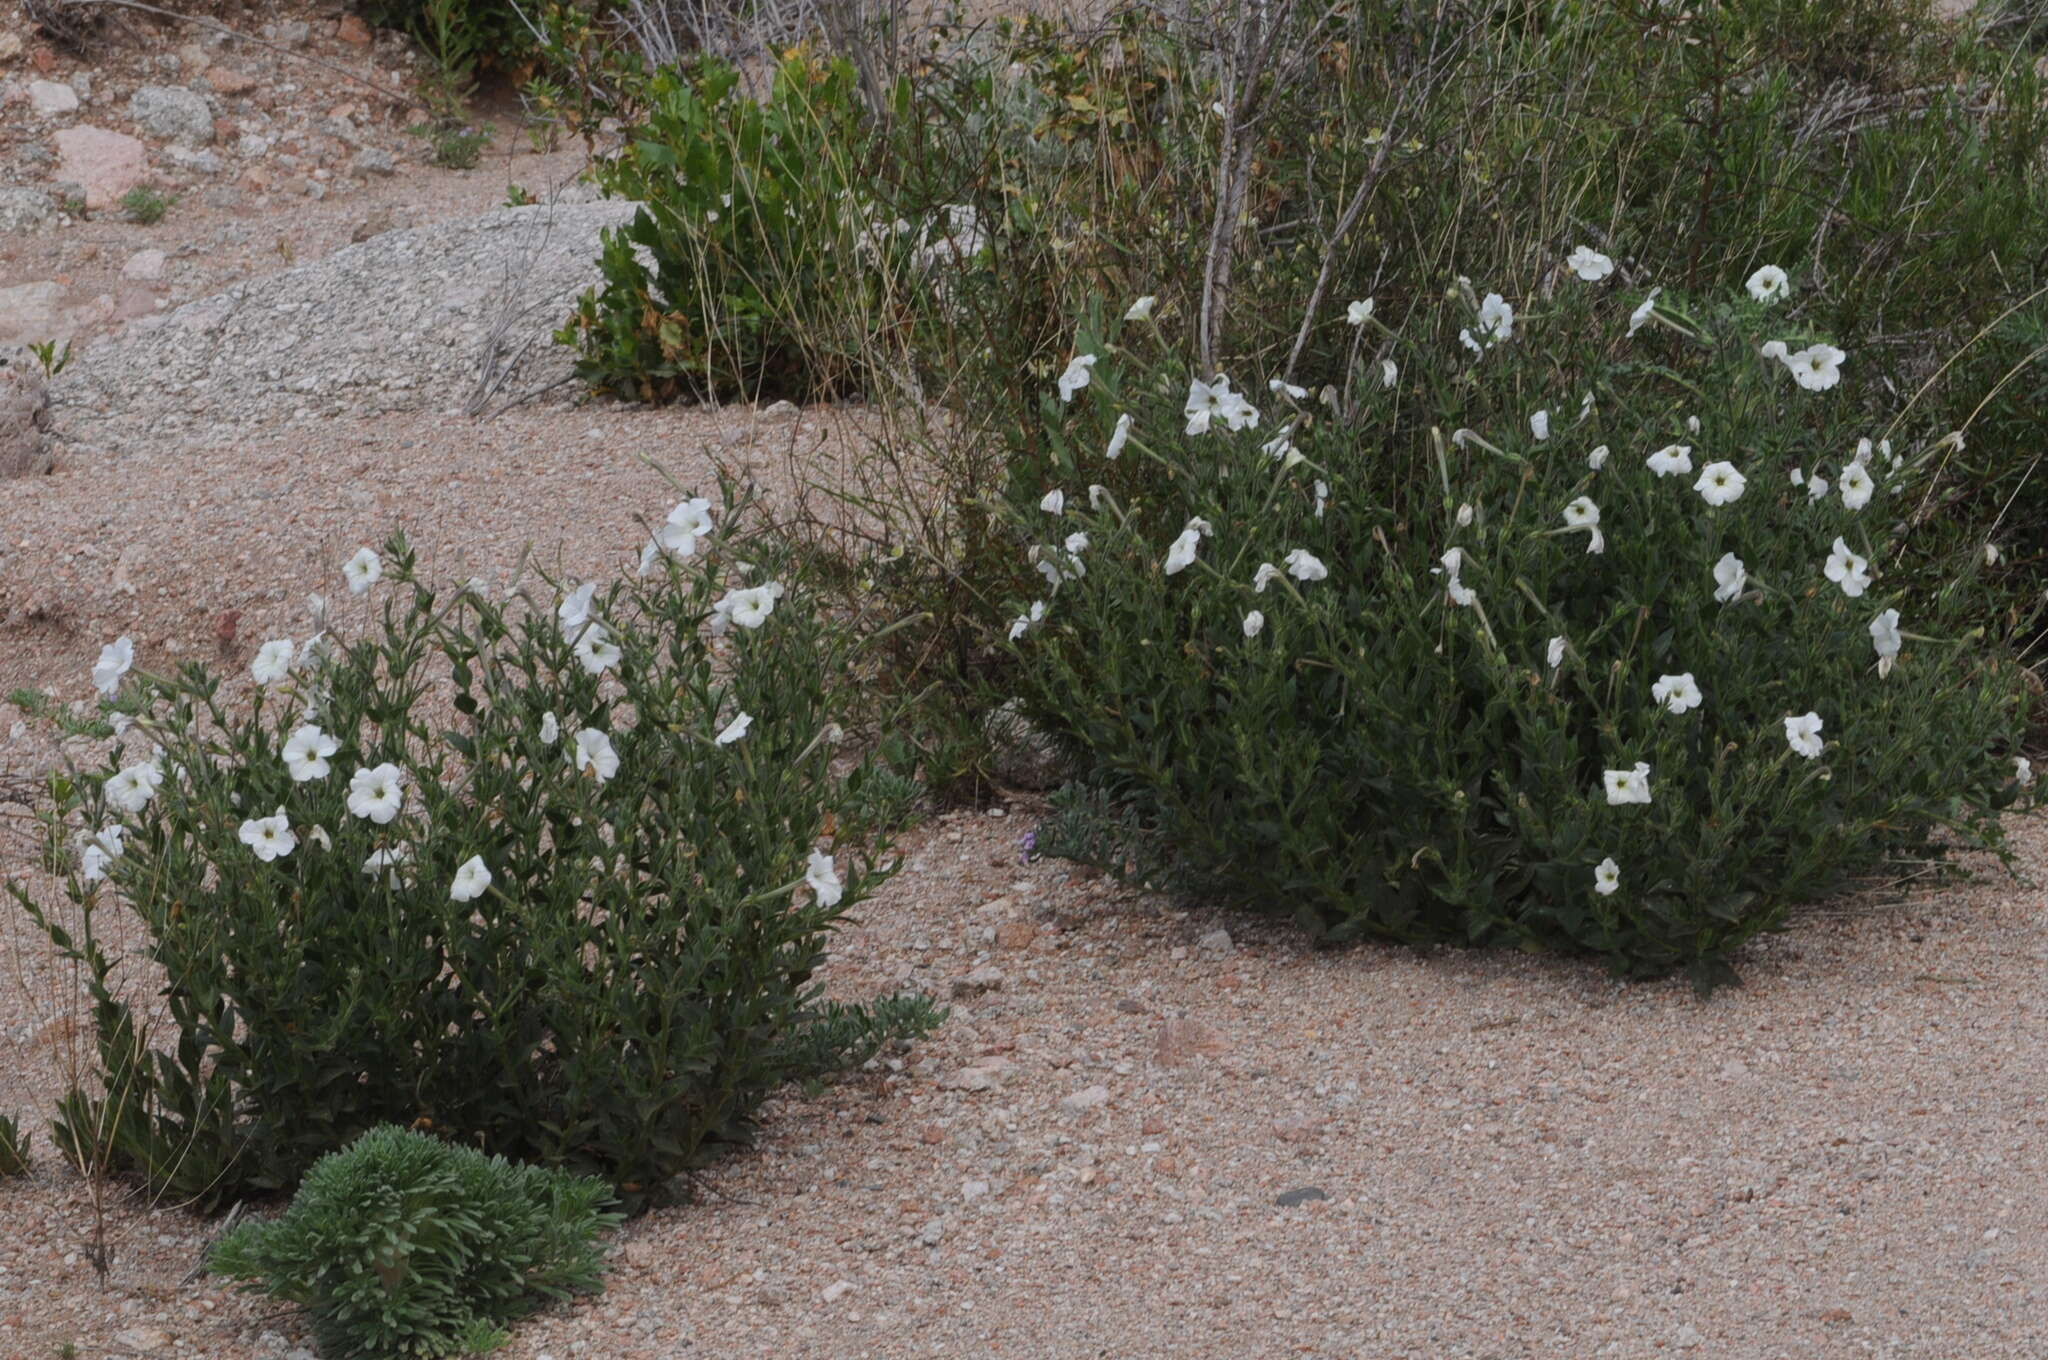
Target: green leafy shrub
pixel 145 205
pixel 403 1245
pixel 548 875
pixel 14 1159
pixel 1635 678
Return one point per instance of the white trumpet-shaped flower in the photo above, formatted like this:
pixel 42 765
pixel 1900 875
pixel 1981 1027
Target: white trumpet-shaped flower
pixel 735 730
pixel 1076 376
pixel 1802 734
pixel 1885 639
pixel 470 880
pixel 591 752
pixel 307 753
pixel 1769 284
pixel 269 838
pixel 1730 578
pixel 1679 693
pixel 131 789
pixel 1589 264
pixel 823 878
pixel 116 659
pixel 1304 565
pixel 1606 877
pixel 1673 460
pixel 377 793
pixel 1720 484
pixel 273 661
pixel 1628 786
pixel 362 571
pixel 1857 485
pixel 1847 570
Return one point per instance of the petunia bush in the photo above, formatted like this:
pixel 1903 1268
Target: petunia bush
pixel 1630 679
pixel 547 875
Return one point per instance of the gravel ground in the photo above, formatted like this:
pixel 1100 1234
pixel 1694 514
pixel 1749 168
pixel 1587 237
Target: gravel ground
pixel 1151 1131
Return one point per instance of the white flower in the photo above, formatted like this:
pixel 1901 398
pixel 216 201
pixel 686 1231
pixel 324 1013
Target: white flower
pixel 1554 653
pixel 593 752
pixel 1642 314
pixel 1496 319
pixel 1847 570
pixel 392 858
pixel 1358 313
pixel 1465 514
pixel 1453 561
pixel 1304 565
pixel 273 661
pixel 317 835
pixel 1863 450
pixel 1991 554
pixel 751 606
pixel 1676 692
pixel 1076 543
pixel 1803 734
pixel 596 650
pixel 1279 386
pixel 824 877
pixel 103 849
pixel 574 611
pixel 1589 264
pixel 1730 576
pixel 1856 485
pixel 1597 459
pixel 1773 349
pixel 1390 373
pixel 1768 284
pixel 735 729
pixel 377 793
pixel 1816 486
pixel 1141 310
pixel 1628 786
pixel 1180 554
pixel 1209 402
pixel 1117 438
pixel 2022 770
pixel 1884 637
pixel 133 787
pixel 1076 376
pixel 470 880
pixel 1582 514
pixel 1019 626
pixel 1673 460
pixel 1465 339
pixel 689 521
pixel 1322 496
pixel 1253 622
pixel 269 837
pixel 115 660
pixel 1054 502
pixel 362 571
pixel 550 728
pixel 1264 576
pixel 1719 484
pixel 1606 877
pixel 307 752
pixel 1817 367
pixel 1539 425
pixel 1280 448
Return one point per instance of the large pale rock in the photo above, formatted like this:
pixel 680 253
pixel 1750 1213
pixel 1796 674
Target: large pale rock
pixel 173 113
pixel 24 417
pixel 29 312
pixel 108 164
pixel 52 97
pixel 24 210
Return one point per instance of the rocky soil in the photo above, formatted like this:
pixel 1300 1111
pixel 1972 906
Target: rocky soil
pixel 1149 1128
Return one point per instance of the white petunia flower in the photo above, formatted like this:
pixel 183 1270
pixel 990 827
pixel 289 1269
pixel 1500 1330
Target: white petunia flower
pixel 1773 349
pixel 1279 387
pixel 1769 284
pixel 1597 459
pixel 1264 576
pixel 1358 313
pixel 1117 438
pixel 574 611
pixel 1863 450
pixel 749 607
pixel 1180 554
pixel 1582 514
pixel 470 880
pixel 1539 425
pixel 1054 502
pixel 1465 339
pixel 1554 653
pixel 362 571
pixel 1589 264
pixel 133 787
pixel 1720 484
pixel 592 752
pixel 2023 770
pixel 1817 367
pixel 1673 460
pixel 1496 319
pixel 273 661
pixel 1816 486
pixel 102 850
pixel 1991 554
pixel 269 837
pixel 1802 734
pixel 734 730
pixel 1847 570
pixel 1856 485
pixel 1280 448
pixel 1304 565
pixel 596 650
pixel 1642 314
pixel 1390 373
pixel 1253 622
pixel 1678 693
pixel 1322 490
pixel 307 752
pixel 1884 637
pixel 1460 594
pixel 1076 376
pixel 389 862
pixel 1141 310
pixel 377 793
pixel 1606 877
pixel 823 878
pixel 688 522
pixel 116 659
pixel 1210 402
pixel 1076 543
pixel 1628 786
pixel 550 728
pixel 1730 577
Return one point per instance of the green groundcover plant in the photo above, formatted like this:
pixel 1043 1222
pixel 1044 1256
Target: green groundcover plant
pixel 1632 680
pixel 549 875
pixel 403 1245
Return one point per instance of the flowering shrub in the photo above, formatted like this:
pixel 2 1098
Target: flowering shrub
pixel 404 1245
pixel 548 877
pixel 1631 679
